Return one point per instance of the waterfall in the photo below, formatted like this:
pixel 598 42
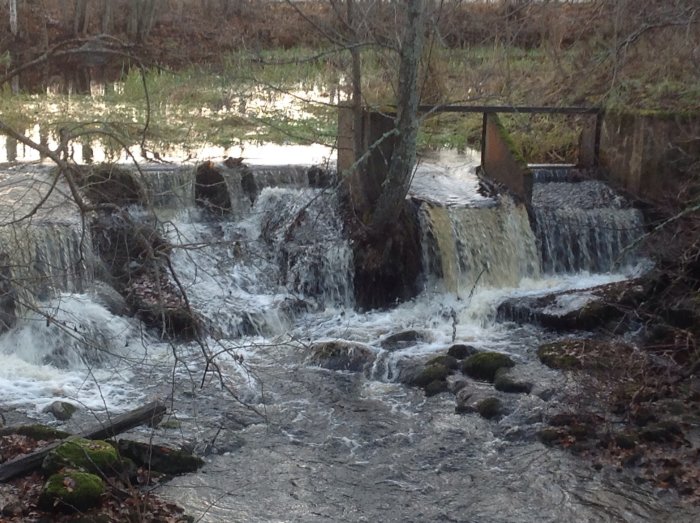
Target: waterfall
pixel 583 225
pixel 47 258
pixel 489 245
pixel 169 187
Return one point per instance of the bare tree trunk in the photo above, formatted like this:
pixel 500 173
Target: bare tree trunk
pixel 14 29
pixel 80 18
pixel 13 17
pixel 142 17
pixel 398 179
pixel 107 17
pixel 356 78
pixel 132 24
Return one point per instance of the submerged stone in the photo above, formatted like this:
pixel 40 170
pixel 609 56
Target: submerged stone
pixel 483 366
pixel 404 339
pixel 341 355
pixel 71 490
pixel 507 383
pixel 490 408
pixel 61 410
pixel 436 387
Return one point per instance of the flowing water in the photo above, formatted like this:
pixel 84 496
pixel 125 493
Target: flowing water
pixel 302 443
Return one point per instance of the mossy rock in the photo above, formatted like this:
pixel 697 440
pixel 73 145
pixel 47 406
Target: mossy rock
pixel 36 432
pixel 429 374
pixel 159 458
pixel 506 383
pixel 490 408
pixel 460 351
pixel 448 361
pixel 483 366
pixel 84 454
pixel 71 490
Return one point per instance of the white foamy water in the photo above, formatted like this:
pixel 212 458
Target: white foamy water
pixel 74 350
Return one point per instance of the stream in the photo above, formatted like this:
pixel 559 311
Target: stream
pixel 287 440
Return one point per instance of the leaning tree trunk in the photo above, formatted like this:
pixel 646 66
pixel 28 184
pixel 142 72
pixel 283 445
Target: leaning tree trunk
pixel 398 179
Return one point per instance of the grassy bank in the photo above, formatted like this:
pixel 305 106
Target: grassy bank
pixel 290 96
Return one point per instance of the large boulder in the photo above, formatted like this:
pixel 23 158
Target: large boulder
pixel 341 355
pixel 573 309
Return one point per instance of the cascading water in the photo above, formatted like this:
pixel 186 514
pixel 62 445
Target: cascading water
pixel 275 275
pixel 492 246
pixel 582 225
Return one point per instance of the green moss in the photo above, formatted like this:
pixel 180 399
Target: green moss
pixel 483 366
pixel 84 454
pixel 71 490
pixel 448 361
pixel 431 373
pixel 489 408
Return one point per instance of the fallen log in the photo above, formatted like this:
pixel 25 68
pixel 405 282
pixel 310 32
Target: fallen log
pixel 149 414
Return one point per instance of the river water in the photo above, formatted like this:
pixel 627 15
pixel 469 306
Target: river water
pixel 286 440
